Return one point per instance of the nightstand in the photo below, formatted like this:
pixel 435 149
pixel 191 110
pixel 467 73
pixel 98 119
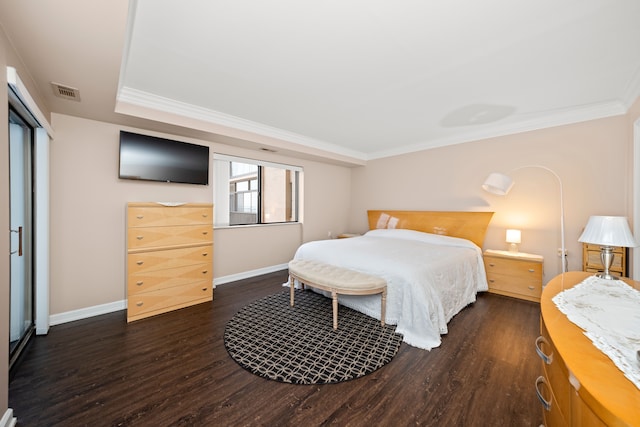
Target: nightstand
pixel 347 235
pixel 514 274
pixel 592 263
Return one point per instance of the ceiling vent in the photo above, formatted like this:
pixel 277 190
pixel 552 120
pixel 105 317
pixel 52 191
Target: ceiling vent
pixel 65 92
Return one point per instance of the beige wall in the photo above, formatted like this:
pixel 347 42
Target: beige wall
pixel 591 159
pixel 88 214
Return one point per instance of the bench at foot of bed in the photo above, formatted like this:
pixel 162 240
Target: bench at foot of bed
pixel 336 280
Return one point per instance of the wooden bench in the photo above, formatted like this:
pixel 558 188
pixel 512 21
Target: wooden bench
pixel 336 280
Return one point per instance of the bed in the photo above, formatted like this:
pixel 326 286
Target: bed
pixel 432 263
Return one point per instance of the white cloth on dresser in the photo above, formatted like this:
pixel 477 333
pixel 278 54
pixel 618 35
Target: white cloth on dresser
pixel 609 313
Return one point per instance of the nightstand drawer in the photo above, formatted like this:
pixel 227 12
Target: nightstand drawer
pixel 513 267
pixel 513 285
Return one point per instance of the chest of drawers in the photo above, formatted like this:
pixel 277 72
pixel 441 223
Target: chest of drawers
pixel 169 257
pixel 579 385
pixel 514 274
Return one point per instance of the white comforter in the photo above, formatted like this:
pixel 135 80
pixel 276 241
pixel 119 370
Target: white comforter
pixel 430 278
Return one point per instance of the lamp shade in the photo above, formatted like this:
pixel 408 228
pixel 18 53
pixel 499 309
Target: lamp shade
pixel 497 183
pixel 513 236
pixel 608 231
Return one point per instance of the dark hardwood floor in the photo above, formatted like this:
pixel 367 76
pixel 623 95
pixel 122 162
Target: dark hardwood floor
pixel 173 370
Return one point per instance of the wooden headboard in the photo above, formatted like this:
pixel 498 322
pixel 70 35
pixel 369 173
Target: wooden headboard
pixel 467 225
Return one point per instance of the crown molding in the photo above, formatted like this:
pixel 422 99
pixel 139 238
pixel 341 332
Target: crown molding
pixel 189 112
pixel 151 101
pixel 543 121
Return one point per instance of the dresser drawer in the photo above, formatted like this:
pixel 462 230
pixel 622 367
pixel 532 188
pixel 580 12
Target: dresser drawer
pixel 157 237
pixel 167 278
pixel 144 262
pixel 582 414
pixel 552 415
pixel 556 372
pixel 513 267
pixel 163 300
pixel 529 287
pixel 149 216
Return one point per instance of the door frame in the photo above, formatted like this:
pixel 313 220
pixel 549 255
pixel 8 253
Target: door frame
pixel 21 100
pixel 635 266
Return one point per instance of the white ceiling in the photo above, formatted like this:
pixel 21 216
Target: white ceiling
pixel 359 78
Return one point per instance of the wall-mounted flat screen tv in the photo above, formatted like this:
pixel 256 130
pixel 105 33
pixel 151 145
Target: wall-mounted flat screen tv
pixel 149 158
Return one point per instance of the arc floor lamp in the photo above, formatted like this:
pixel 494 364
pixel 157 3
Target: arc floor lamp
pixel 500 184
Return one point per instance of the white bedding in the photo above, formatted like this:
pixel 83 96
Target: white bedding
pixel 430 278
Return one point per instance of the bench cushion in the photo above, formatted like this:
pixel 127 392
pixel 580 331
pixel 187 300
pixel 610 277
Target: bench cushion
pixel 334 277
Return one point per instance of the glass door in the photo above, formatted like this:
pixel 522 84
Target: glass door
pixel 21 307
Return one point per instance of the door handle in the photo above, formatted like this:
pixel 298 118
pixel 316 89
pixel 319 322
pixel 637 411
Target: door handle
pixel 19 231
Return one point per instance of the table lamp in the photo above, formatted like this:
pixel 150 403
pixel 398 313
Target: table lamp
pixel 513 238
pixel 608 232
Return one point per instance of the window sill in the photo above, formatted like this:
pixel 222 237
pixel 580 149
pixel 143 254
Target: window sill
pixel 275 224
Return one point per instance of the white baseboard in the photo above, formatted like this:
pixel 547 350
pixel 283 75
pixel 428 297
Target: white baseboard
pixel 7 419
pixel 248 274
pixel 83 313
pixel 96 310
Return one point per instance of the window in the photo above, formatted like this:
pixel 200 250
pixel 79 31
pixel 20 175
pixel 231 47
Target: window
pixel 254 192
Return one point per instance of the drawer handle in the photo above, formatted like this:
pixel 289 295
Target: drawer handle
pixel 139 303
pixel 546 404
pixel 140 262
pixel 548 359
pixel 139 282
pixel 205 271
pixel 491 264
pixel 205 232
pixel 531 288
pixel 205 253
pixel 205 289
pixel 531 270
pixel 139 237
pixel 140 216
pixel 204 215
pixel 491 280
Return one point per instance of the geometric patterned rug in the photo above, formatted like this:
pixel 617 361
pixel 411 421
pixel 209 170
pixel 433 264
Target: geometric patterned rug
pixel 298 344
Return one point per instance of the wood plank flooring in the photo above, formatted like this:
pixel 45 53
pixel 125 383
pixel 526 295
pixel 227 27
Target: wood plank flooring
pixel 173 370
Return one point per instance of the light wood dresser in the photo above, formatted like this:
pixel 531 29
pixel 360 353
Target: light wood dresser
pixel 579 385
pixel 169 257
pixel 514 274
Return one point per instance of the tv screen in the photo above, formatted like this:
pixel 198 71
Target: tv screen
pixel 150 158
